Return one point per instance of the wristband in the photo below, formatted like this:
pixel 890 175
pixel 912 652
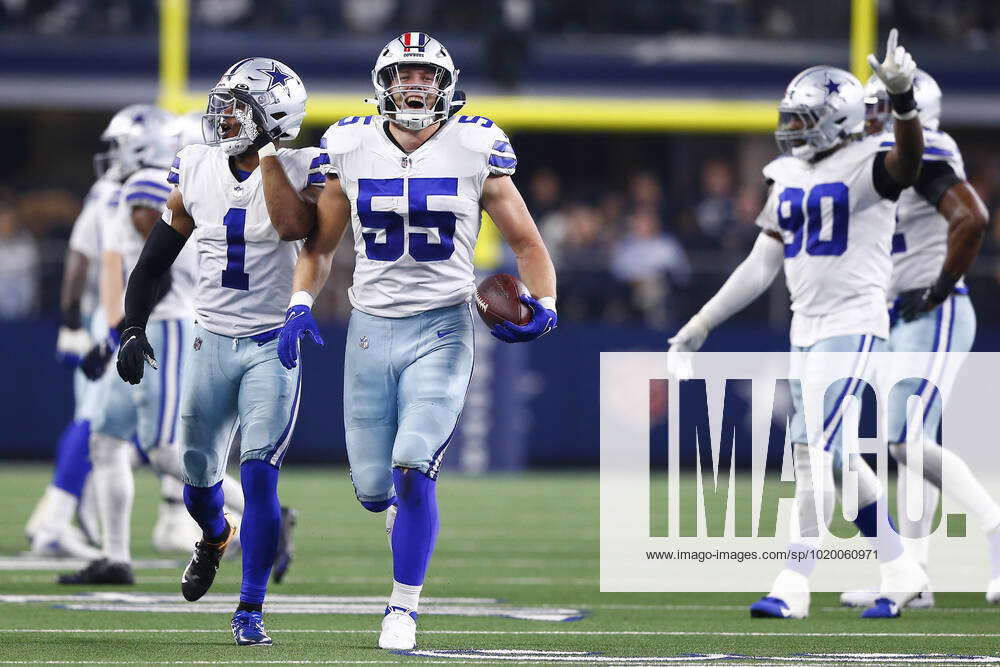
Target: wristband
pixel 301 298
pixel 267 150
pixel 548 303
pixel 903 104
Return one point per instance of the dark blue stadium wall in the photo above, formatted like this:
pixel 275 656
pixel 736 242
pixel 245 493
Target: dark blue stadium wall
pixel 534 405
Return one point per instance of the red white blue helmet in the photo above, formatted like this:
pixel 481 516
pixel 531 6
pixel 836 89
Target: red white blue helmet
pixel 823 107
pixel 414 105
pixel 926 93
pixel 266 85
pixel 137 137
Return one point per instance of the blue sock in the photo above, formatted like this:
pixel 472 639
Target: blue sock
pixel 416 527
pixel 879 529
pixel 260 529
pixel 73 458
pixel 205 507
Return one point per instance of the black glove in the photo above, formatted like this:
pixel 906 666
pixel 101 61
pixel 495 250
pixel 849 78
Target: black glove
pixel 913 303
pixel 135 350
pixel 95 362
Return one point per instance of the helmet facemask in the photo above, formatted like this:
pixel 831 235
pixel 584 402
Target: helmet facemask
pixel 108 163
pixel 226 108
pixel 801 132
pixel 414 95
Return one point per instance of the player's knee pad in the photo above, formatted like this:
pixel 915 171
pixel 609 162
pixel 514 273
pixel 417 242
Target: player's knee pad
pixel 106 449
pixel 372 483
pixel 165 460
pixel 377 506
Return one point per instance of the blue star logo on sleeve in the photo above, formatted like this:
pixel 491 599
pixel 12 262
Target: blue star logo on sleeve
pixel 831 86
pixel 278 78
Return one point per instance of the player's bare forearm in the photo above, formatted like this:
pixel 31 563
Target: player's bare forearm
pixel 112 288
pixel 143 219
pixel 506 207
pixel 904 160
pixel 74 281
pixel 180 219
pixel 967 220
pixel 292 213
pixel 333 213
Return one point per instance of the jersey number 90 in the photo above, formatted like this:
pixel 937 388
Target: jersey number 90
pixel 792 218
pixel 395 228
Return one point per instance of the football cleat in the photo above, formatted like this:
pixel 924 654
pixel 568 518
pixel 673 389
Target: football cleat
pixel 884 608
pixel 286 547
pixel 770 607
pixel 248 629
pixel 200 572
pixel 399 629
pixel 866 598
pixel 70 543
pixel 993 591
pixel 788 598
pixel 101 571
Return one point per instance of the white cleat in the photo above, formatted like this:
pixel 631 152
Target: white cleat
pixel 390 521
pixel 70 543
pixel 399 629
pixel 902 580
pixel 37 517
pixel 788 598
pixel 993 591
pixel 175 530
pixel 867 597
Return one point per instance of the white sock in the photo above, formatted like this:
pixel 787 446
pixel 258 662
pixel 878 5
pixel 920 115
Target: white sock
pixel 917 533
pixel 232 490
pixel 405 596
pixel 60 506
pixel 171 489
pixel 114 488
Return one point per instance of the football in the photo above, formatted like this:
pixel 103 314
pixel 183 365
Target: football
pixel 498 300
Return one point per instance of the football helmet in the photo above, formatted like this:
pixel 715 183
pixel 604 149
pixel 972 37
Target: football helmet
pixel 823 107
pixel 137 137
pixel 263 95
pixel 414 102
pixel 186 130
pixel 926 93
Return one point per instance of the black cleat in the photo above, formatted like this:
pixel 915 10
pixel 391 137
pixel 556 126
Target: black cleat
pixel 101 571
pixel 200 572
pixel 286 548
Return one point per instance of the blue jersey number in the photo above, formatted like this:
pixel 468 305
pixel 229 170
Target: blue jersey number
pixel 792 218
pixel 233 276
pixel 391 223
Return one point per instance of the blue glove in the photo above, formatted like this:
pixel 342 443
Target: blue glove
pixel 542 321
pixel 299 323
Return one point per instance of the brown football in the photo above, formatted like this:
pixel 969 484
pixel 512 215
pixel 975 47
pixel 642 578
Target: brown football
pixel 497 300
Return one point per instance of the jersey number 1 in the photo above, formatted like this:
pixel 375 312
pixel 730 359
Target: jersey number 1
pixel 392 224
pixel 233 276
pixel 812 219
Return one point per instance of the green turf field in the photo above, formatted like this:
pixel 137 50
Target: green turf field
pixel 530 541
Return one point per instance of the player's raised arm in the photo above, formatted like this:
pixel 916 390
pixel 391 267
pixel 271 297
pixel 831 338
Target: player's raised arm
pixel 748 281
pixel 292 212
pixel 145 286
pixel 333 214
pixel 967 218
pixel 897 71
pixel 506 207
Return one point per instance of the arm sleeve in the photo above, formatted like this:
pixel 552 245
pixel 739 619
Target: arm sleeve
pixel 883 181
pixel 936 177
pixel 750 279
pixel 146 283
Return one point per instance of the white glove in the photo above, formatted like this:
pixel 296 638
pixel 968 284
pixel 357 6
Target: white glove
pixel 72 345
pixel 898 69
pixel 683 345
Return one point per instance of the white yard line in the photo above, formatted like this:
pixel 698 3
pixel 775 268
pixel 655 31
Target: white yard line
pixel 570 633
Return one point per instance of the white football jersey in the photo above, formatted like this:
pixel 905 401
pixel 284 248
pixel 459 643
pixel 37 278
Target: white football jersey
pixel 415 216
pixel 87 238
pixel 837 230
pixel 244 269
pixel 921 240
pixel 148 188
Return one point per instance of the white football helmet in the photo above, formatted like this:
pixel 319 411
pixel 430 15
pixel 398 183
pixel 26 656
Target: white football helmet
pixel 414 102
pixel 186 130
pixel 262 86
pixel 823 107
pixel 137 137
pixel 926 93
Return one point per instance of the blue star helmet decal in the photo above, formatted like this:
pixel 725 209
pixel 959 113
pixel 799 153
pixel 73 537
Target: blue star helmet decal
pixel 831 86
pixel 278 78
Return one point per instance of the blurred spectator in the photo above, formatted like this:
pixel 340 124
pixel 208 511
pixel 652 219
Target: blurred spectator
pixel 582 250
pixel 645 193
pixel 649 260
pixel 18 266
pixel 715 210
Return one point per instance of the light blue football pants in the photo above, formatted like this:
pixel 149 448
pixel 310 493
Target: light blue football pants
pixel 405 381
pixel 230 384
pixel 948 331
pixel 150 408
